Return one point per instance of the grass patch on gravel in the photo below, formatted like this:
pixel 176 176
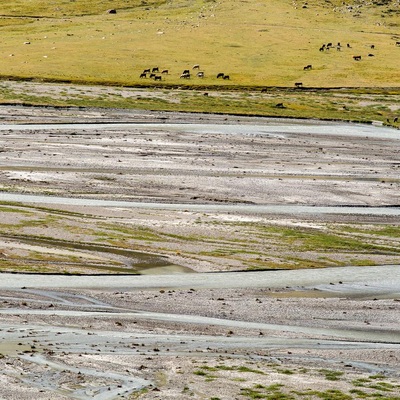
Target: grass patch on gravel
pixel 375 105
pixel 227 245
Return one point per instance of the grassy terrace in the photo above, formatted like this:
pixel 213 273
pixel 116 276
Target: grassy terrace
pixel 336 104
pixel 263 47
pixel 59 241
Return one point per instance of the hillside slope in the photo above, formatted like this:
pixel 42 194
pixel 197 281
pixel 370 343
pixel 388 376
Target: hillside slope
pixel 265 43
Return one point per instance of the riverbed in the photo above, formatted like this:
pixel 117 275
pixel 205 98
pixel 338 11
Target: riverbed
pixel 241 300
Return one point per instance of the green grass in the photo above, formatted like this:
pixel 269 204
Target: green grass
pixel 6 209
pixel 331 375
pixel 271 386
pixel 272 392
pixel 306 103
pixel 243 245
pixel 388 230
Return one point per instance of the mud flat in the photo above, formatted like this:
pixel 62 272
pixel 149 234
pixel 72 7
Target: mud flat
pixel 197 324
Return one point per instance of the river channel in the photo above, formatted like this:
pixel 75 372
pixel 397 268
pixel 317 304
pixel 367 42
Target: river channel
pixel 106 337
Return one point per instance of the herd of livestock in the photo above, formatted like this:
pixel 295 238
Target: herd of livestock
pixel 156 74
pixel 327 47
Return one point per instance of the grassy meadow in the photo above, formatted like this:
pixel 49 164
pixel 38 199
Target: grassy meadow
pixel 266 43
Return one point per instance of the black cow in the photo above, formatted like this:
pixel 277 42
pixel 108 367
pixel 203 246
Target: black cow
pixel 143 75
pixel 226 77
pixel 220 75
pixel 357 58
pixel 298 84
pixel 307 67
pixel 155 69
pixel 157 78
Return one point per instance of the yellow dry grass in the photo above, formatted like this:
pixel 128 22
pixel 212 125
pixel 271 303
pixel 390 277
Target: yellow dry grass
pixel 265 43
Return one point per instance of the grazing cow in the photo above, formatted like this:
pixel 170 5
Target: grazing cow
pixel 111 11
pixel 322 48
pixel 143 75
pixel 157 78
pixel 186 71
pixel 307 67
pixel 357 58
pixel 298 84
pixel 226 77
pixel 205 94
pixel 370 55
pixel 220 75
pixel 348 46
pixel 196 66
pixel 155 69
pixel 329 45
pixel 372 46
pixel 395 119
pixel 397 43
pixel 279 105
pixel 152 75
pixel 185 76
pixel 200 74
pixel 164 71
pixel 146 71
